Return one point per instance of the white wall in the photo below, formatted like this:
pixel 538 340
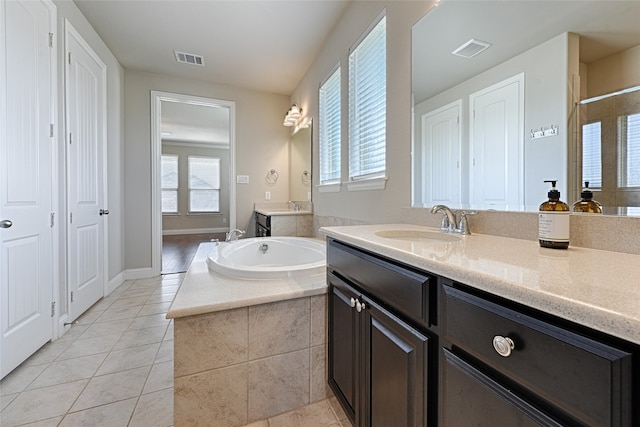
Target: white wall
pixel 261 144
pixel 377 205
pixel 67 10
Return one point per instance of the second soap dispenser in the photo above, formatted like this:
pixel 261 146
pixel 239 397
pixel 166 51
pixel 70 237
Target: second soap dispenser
pixel 553 221
pixel 587 204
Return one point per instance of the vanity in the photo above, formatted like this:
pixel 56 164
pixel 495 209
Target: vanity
pixel 435 329
pixel 282 219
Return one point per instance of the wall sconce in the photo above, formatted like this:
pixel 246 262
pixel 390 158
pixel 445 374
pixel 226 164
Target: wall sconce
pixel 292 115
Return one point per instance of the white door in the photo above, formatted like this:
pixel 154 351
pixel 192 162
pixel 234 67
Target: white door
pixel 496 145
pixel 441 155
pixel 85 193
pixel 26 192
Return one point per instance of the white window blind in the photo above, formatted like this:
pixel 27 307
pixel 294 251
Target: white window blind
pixel 629 151
pixel 204 184
pixel 592 154
pixel 368 105
pixel 329 99
pixel 169 183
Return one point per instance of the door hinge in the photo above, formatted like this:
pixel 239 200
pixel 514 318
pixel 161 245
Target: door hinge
pixel 70 217
pixel 53 308
pixel 70 138
pixel 50 39
pixel 51 130
pixel 72 296
pixel 69 58
pixel 53 219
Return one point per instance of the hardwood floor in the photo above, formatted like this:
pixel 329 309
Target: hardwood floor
pixel 178 250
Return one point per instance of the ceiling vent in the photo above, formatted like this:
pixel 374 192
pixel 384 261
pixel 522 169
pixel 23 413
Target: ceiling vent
pixel 471 48
pixel 189 58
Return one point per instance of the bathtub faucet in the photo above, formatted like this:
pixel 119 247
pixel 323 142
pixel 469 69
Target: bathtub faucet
pixel 295 205
pixel 234 234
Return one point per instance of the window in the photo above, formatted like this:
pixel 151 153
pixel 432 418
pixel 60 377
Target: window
pixel 330 129
pixel 629 151
pixel 204 184
pixel 367 105
pixel 592 154
pixel 169 172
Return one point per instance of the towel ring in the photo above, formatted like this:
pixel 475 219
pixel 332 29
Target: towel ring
pixel 306 177
pixel 272 176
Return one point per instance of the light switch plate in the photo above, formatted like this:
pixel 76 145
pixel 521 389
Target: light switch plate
pixel 242 179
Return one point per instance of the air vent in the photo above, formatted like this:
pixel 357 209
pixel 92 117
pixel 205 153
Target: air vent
pixel 471 48
pixel 189 58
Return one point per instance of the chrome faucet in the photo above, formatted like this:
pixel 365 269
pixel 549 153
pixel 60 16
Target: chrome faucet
pixel 449 222
pixel 234 234
pixel 296 207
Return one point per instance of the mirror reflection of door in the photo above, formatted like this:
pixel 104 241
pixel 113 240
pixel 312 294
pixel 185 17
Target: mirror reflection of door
pixel 300 165
pixel 195 179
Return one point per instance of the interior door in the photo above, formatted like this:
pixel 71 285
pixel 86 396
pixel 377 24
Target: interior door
pixel 496 145
pixel 26 153
pixel 85 155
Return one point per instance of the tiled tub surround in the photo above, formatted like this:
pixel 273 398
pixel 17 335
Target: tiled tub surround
pixel 595 288
pixel 246 350
pixel 287 222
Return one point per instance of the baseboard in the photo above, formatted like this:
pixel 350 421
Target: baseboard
pixel 114 283
pixel 138 273
pixel 194 231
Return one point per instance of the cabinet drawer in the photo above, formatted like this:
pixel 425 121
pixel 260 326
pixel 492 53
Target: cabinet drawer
pixel 407 291
pixel 263 220
pixel 586 379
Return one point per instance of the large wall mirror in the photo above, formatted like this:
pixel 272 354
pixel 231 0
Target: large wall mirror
pixel 495 119
pixel 300 149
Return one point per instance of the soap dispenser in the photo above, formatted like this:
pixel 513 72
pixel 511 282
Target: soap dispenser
pixel 553 221
pixel 587 204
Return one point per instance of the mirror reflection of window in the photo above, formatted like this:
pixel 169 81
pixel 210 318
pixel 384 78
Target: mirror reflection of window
pixel 592 154
pixel 629 151
pixel 169 172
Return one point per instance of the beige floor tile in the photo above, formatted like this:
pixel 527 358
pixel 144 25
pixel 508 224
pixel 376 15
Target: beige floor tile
pixel 20 378
pixel 165 354
pixel 89 346
pixel 64 371
pixel 130 302
pixel 119 313
pixel 155 308
pixel 144 322
pixel 137 292
pixel 5 400
pixel 88 317
pixel 169 334
pixel 154 410
pixel 50 422
pixel 160 297
pixel 141 337
pixel 122 360
pixel 48 353
pixel 112 388
pixel 41 404
pixel 115 414
pixel 160 378
pixel 102 327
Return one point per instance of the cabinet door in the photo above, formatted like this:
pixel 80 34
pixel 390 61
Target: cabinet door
pixel 395 373
pixel 342 344
pixel 472 398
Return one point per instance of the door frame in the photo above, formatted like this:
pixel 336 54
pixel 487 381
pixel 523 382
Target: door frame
pixel 156 156
pixel 70 31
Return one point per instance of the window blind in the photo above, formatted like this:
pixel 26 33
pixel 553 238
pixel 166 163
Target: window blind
pixel 592 154
pixel 329 99
pixel 204 184
pixel 368 105
pixel 169 183
pixel 629 151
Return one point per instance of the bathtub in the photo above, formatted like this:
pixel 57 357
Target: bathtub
pixel 268 257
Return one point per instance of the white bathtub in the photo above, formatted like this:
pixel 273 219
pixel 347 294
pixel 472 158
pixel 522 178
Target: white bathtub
pixel 268 257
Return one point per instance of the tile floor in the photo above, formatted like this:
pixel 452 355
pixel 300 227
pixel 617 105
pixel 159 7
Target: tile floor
pixel 114 367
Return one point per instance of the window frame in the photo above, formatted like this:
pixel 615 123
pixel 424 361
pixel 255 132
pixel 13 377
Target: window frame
pixel 166 189
pixel 191 190
pixel 329 132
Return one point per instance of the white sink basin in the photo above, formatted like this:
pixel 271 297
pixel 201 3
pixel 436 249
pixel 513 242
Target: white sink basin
pixel 418 235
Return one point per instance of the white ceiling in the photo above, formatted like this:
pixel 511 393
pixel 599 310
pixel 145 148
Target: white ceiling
pixel 513 27
pixel 195 124
pixel 256 44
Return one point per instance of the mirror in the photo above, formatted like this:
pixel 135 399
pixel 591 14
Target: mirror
pixel 542 58
pixel 300 163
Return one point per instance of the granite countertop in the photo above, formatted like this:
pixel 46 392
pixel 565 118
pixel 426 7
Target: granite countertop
pixel 204 291
pixel 276 212
pixel 595 288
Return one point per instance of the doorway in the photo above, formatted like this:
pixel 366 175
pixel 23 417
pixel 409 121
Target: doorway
pixel 193 165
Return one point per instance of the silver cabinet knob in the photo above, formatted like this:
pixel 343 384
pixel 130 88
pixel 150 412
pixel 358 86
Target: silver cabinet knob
pixel 5 223
pixel 353 302
pixel 503 345
pixel 360 306
pixel 104 212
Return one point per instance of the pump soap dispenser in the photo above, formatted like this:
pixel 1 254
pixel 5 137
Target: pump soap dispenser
pixel 553 221
pixel 587 204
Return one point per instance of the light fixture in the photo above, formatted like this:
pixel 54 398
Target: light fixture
pixel 292 115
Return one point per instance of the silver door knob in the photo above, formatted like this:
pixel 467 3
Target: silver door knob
pixel 104 212
pixel 5 223
pixel 353 302
pixel 360 306
pixel 503 345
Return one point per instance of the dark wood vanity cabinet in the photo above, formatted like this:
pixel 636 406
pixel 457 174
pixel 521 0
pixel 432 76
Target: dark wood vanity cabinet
pixel 378 361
